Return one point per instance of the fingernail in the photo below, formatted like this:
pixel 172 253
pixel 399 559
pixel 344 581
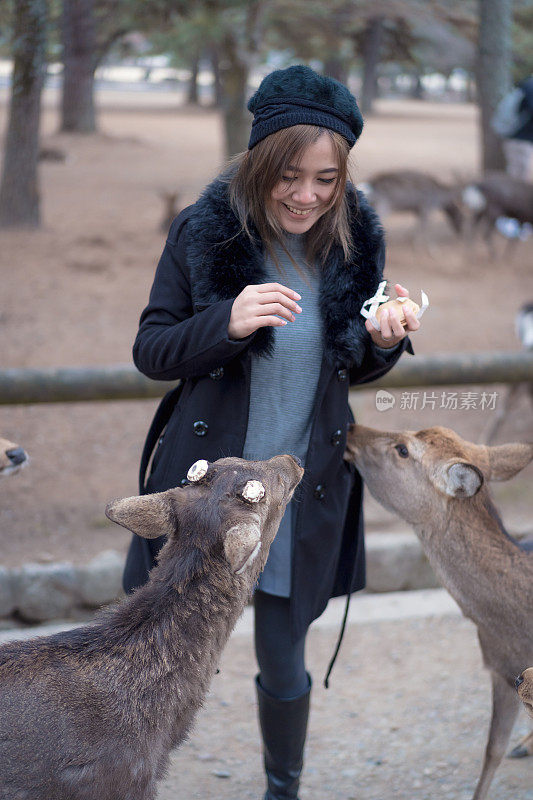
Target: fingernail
pixel 297 296
pixel 298 309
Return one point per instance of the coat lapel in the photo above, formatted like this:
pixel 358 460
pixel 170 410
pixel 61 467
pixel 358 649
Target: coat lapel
pixel 223 261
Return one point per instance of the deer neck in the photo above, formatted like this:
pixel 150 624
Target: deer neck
pixel 474 557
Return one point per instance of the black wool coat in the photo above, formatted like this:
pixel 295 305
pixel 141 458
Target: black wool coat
pixel 206 263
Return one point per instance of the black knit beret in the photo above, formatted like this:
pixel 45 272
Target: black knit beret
pixel 299 96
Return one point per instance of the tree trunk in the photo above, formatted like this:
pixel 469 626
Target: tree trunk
pixel 493 73
pixel 214 57
pixel 79 64
pixel 192 94
pixel 19 196
pixel 234 80
pixel 336 67
pixel 373 38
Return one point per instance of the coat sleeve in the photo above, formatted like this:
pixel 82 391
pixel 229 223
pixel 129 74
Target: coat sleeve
pixel 377 361
pixel 173 341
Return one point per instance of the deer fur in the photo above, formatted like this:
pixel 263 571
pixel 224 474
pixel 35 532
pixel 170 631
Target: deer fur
pixel 437 482
pixel 12 458
pixel 94 712
pixel 496 194
pixel 416 192
pixel 524 687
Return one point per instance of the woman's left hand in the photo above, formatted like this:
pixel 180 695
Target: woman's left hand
pixel 392 330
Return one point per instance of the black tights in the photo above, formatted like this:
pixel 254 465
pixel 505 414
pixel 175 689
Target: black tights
pixel 281 662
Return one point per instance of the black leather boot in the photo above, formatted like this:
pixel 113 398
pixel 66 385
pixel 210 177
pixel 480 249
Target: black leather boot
pixel 283 725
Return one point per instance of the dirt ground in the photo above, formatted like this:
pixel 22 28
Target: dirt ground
pixel 394 724
pixel 72 293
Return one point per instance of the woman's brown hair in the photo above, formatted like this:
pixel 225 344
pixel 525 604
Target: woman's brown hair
pixel 253 175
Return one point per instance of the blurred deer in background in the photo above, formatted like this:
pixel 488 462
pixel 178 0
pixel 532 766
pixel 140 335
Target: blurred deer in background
pixel 495 196
pixel 415 192
pixel 12 458
pixel 436 481
pixel 172 209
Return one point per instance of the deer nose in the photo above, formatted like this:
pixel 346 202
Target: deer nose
pixel 16 455
pixel 298 461
pixel 519 681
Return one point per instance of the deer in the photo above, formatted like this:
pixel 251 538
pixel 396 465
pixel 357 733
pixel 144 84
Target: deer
pixel 94 712
pixel 493 196
pixel 416 192
pixel 12 458
pixel 172 209
pixel 437 481
pixel 524 687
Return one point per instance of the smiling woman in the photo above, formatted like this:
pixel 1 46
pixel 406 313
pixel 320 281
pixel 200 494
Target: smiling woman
pixel 256 308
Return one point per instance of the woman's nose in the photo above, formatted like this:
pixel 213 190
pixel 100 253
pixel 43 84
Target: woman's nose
pixel 304 193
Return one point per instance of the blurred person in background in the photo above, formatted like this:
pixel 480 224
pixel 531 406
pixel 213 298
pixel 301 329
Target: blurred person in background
pixel 255 307
pixel 513 121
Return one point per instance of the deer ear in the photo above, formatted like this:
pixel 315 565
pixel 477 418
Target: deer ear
pixel 462 479
pixel 506 460
pixel 148 515
pixel 242 545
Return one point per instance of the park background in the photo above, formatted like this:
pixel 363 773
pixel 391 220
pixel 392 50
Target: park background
pixel 143 99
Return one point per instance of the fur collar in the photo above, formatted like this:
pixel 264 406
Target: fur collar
pixel 223 261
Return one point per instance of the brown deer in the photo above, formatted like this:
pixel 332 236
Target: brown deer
pixel 524 687
pixel 437 482
pixel 94 712
pixel 416 192
pixel 12 458
pixel 172 209
pixel 496 195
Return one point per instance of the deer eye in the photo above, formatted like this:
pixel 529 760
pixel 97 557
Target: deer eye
pixel 402 450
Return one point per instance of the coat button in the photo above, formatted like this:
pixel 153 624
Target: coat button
pixel 184 482
pixel 200 428
pixel 319 492
pixel 216 374
pixel 336 438
pixel 342 374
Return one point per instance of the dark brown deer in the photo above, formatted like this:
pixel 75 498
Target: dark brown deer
pixel 172 209
pixel 436 481
pixel 93 713
pixel 496 195
pixel 416 192
pixel 12 458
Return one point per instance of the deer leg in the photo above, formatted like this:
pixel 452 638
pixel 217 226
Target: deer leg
pixel 505 705
pixel 524 747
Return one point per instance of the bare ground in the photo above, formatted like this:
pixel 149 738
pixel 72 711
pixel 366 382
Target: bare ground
pixel 407 715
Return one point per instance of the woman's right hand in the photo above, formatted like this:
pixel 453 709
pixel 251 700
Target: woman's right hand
pixel 257 306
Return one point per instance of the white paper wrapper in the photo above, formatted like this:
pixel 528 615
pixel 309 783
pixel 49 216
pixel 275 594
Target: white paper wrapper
pixel 370 306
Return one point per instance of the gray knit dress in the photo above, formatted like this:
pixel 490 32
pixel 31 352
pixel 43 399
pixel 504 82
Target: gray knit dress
pixel 282 396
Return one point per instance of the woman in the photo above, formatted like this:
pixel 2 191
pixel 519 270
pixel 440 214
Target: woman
pixel 255 306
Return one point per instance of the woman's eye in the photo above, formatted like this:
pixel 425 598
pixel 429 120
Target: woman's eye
pixel 402 450
pixel 288 178
pixel 326 180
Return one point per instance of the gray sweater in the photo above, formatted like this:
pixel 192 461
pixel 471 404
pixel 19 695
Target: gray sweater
pixel 282 396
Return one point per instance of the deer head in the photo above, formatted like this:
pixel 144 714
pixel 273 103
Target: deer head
pixel 416 474
pixel 230 511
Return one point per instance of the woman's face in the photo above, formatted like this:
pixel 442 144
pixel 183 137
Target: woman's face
pixel 303 194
